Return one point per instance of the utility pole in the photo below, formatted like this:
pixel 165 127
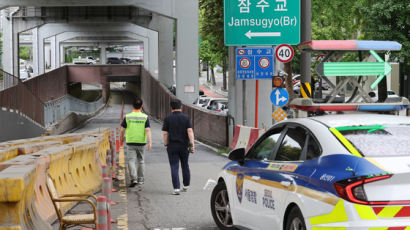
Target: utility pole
pixel 306 35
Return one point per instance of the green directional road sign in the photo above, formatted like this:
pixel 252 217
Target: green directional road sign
pixel 380 68
pixel 261 22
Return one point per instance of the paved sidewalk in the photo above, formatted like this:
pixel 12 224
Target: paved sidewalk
pixel 213 90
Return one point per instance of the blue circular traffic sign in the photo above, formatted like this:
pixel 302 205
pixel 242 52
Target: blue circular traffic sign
pixel 279 97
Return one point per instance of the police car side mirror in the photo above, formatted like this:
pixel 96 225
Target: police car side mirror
pixel 238 155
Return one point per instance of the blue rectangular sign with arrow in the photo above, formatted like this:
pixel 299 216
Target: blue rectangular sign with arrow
pixel 254 63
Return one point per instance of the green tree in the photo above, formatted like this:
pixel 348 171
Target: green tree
pixel 24 52
pixel 337 19
pixel 207 56
pixel 212 31
pixel 389 20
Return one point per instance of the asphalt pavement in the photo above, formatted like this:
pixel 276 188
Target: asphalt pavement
pixel 152 205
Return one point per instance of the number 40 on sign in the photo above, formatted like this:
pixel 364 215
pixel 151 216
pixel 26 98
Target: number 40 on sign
pixel 284 53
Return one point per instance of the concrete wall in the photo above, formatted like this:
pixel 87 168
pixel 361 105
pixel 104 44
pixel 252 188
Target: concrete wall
pixel 16 126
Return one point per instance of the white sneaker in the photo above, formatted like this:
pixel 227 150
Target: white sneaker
pixel 185 188
pixel 133 183
pixel 175 192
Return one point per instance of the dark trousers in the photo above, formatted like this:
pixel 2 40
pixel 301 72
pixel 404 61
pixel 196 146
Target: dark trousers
pixel 177 153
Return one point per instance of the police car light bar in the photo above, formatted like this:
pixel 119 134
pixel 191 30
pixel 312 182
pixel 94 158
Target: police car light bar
pixel 307 105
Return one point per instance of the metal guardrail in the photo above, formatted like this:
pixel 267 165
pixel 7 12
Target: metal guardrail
pixel 55 110
pixel 7 80
pixel 209 127
pixel 16 95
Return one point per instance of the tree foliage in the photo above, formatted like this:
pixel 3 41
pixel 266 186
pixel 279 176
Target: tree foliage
pixel 211 33
pixel 337 19
pixel 24 52
pixel 389 20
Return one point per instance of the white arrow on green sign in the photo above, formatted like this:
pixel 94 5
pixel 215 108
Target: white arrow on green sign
pixel 380 68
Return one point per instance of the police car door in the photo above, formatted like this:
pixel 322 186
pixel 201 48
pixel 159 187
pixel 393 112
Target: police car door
pixel 279 178
pixel 250 188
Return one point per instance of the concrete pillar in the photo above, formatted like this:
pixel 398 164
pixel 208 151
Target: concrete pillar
pixel 53 56
pixel 15 51
pixel 40 52
pixel 59 53
pixel 11 29
pixel 103 53
pixel 7 56
pixel 248 109
pixel 265 105
pixel 47 56
pixel 36 51
pixel 187 79
pixel 164 26
pixel 61 60
pixel 153 53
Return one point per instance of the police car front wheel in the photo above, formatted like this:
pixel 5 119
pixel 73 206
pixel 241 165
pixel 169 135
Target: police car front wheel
pixel 220 206
pixel 295 220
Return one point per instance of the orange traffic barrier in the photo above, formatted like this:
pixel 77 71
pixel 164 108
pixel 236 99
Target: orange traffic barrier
pixel 73 161
pixel 8 153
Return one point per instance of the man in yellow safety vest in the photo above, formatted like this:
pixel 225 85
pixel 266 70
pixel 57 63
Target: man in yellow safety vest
pixel 138 134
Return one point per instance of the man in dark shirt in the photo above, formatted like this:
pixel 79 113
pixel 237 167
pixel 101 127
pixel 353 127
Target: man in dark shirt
pixel 179 141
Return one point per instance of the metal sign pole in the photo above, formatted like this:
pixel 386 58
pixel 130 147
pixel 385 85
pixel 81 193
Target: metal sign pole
pixel 256 103
pixel 244 116
pixel 306 35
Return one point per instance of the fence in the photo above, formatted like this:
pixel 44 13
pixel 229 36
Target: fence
pixel 28 97
pixel 50 85
pixel 7 80
pixel 209 127
pixel 19 97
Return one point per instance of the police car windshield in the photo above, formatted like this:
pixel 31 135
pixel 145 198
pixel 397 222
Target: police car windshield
pixel 377 140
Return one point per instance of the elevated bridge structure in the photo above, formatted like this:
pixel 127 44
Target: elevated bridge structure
pixel 56 24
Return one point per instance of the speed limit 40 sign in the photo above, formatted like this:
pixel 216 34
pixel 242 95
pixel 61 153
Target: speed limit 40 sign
pixel 284 53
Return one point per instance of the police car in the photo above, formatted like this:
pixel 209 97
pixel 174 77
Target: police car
pixel 349 171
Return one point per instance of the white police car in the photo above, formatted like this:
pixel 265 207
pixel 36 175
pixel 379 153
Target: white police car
pixel 330 172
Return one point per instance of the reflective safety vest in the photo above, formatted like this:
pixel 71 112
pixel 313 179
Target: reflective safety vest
pixel 135 131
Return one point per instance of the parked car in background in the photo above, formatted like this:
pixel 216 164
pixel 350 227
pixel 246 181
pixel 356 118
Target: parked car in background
pixel 24 73
pixel 87 60
pixel 391 95
pixel 202 100
pixel 114 60
pixel 325 85
pixel 125 60
pixel 219 106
